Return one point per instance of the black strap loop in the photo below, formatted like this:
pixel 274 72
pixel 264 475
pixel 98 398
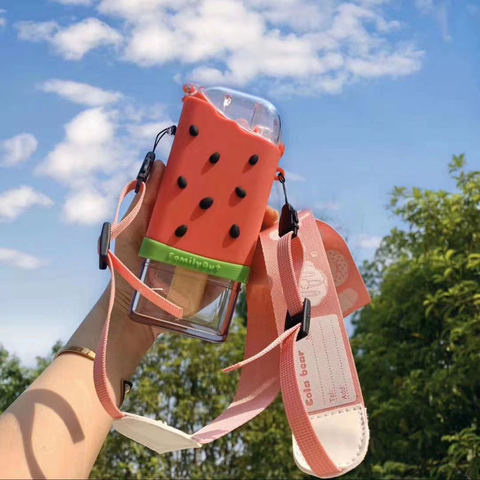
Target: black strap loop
pixel 145 170
pixel 147 164
pixel 302 317
pixel 288 217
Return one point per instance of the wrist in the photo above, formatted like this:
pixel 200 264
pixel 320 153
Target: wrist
pixel 128 341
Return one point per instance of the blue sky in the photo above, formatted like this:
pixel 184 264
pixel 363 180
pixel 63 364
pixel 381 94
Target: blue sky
pixel 372 94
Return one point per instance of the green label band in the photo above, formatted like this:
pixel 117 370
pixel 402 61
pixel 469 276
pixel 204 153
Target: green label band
pixel 164 253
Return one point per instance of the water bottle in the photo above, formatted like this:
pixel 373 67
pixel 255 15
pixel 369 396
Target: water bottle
pixel 208 213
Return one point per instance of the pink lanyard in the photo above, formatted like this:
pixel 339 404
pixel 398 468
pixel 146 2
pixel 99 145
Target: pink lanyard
pixel 273 290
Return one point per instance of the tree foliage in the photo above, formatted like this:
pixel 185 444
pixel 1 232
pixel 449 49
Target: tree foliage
pixel 418 345
pixel 15 378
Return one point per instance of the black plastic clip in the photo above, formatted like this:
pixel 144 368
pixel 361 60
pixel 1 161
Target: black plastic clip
pixel 145 170
pixel 288 221
pixel 288 217
pixel 104 245
pixel 302 317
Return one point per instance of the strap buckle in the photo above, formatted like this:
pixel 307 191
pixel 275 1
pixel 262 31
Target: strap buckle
pixel 302 317
pixel 145 170
pixel 104 245
pixel 288 221
pixel 289 217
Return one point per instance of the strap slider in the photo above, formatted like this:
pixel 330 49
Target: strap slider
pixel 145 170
pixel 288 221
pixel 104 245
pixel 302 317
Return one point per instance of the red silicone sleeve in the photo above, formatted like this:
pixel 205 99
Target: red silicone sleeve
pixel 239 183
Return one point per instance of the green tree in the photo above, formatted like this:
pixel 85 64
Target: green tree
pixel 418 345
pixel 14 378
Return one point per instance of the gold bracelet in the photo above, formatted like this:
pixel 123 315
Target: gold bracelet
pixel 125 385
pixel 83 351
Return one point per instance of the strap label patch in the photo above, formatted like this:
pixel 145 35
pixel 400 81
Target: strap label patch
pixel 322 366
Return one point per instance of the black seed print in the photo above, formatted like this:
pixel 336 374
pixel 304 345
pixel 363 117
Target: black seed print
pixel 241 192
pixel 234 231
pixel 182 182
pixel 181 230
pixel 206 203
pixel 214 157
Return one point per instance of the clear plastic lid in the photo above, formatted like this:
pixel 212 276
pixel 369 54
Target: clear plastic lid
pixel 252 113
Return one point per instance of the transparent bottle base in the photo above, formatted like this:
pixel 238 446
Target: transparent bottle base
pixel 208 302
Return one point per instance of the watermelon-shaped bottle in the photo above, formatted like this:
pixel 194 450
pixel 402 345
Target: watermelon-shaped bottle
pixel 208 214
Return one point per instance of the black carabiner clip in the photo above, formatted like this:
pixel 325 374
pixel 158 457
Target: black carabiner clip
pixel 288 217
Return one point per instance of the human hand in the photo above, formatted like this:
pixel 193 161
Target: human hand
pixel 129 340
pixel 129 242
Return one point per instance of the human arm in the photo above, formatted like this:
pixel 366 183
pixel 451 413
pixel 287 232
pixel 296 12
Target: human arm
pixel 56 428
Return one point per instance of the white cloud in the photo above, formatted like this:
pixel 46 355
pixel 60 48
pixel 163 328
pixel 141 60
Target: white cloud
pixel 81 93
pixel 302 47
pixel 101 150
pixel 138 9
pixel 17 149
pixel 71 42
pixel 318 49
pixel 384 64
pixel 15 258
pixel 74 2
pixel 88 148
pixel 75 41
pixel 310 16
pixel 37 31
pixel 3 20
pixel 86 207
pixel 366 241
pixel 16 201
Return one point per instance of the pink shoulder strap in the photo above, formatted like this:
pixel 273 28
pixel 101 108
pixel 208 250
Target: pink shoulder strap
pixel 102 385
pixel 270 294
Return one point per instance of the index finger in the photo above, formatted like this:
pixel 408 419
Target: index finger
pixel 270 217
